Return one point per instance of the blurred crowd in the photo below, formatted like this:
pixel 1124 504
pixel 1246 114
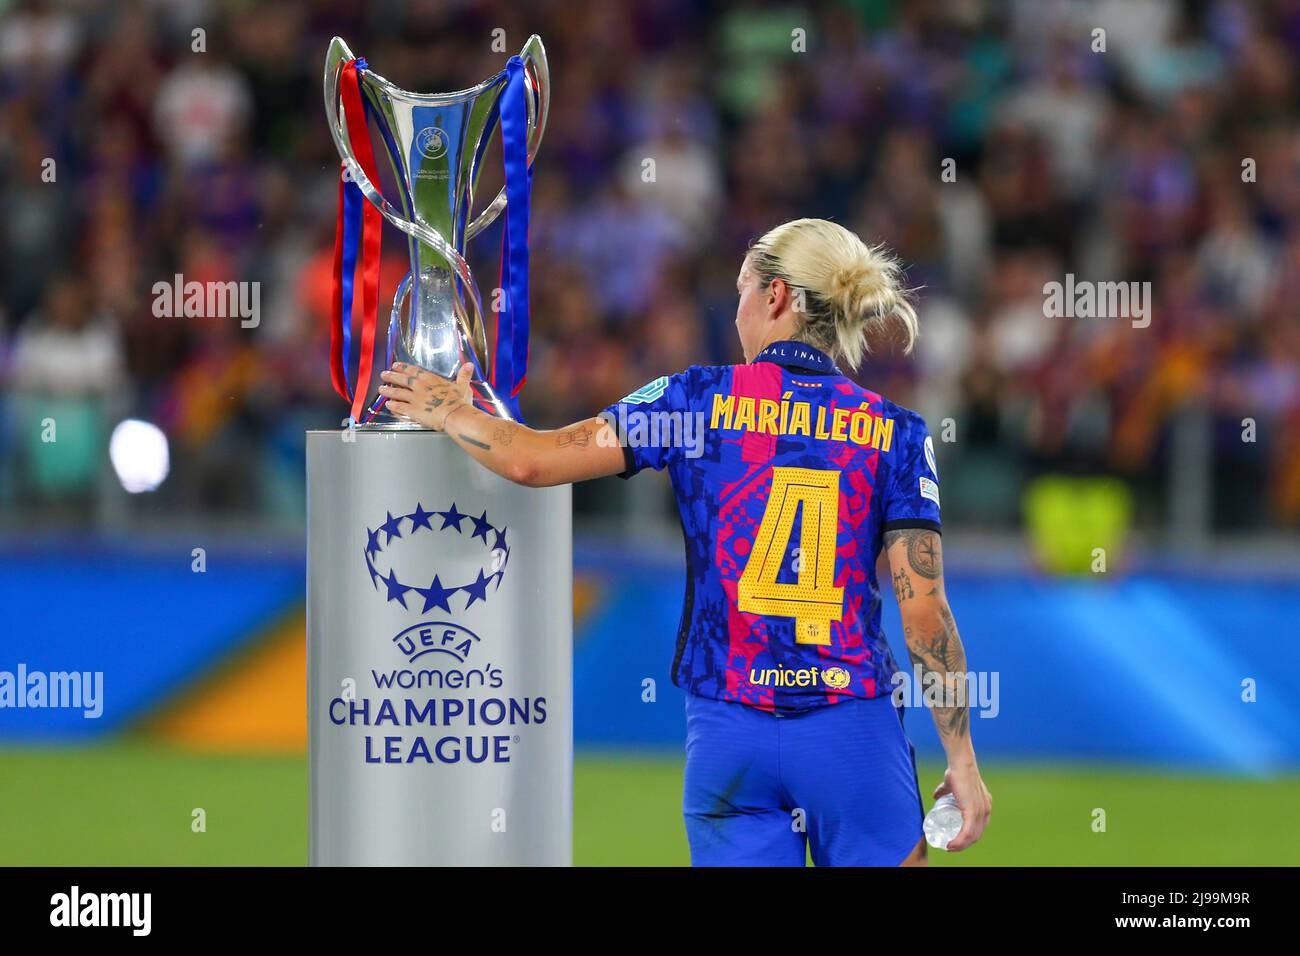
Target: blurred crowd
pixel 996 146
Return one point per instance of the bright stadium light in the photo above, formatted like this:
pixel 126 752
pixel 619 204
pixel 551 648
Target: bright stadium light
pixel 139 454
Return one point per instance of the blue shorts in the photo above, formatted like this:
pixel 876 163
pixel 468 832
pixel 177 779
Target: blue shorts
pixel 848 767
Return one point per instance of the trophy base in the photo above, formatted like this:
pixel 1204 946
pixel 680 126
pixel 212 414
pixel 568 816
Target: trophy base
pixel 477 665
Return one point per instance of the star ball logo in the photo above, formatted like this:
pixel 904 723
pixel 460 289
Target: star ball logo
pixel 431 142
pixel 437 594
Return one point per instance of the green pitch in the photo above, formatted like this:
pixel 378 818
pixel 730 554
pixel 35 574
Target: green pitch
pixel 134 804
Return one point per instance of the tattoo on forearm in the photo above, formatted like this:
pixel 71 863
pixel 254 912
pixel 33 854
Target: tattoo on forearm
pixel 577 437
pixel 503 435
pixel 902 586
pixel 942 661
pixel 922 550
pixel 932 640
pixel 474 441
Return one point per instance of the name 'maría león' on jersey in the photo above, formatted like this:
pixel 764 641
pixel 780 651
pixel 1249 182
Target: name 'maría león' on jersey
pixel 769 417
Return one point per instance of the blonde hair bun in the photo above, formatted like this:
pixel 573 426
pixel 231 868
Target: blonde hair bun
pixel 851 290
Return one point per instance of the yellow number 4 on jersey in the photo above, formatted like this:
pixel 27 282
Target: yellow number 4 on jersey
pixel 813 600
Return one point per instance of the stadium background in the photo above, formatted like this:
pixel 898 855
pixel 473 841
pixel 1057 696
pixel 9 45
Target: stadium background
pixel 1120 690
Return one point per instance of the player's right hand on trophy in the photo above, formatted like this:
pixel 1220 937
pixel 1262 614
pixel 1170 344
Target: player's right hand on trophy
pixel 425 397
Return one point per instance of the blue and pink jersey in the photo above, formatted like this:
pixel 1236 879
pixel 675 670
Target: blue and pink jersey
pixel 787 474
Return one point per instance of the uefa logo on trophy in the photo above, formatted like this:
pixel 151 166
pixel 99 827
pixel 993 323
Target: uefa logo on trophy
pixel 435 143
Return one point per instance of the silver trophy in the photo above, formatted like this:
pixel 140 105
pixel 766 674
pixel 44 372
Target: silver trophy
pixel 435 143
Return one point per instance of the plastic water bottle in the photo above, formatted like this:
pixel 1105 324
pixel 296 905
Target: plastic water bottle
pixel 943 822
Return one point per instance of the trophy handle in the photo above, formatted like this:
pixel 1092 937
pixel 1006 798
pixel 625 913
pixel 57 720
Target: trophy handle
pixel 337 55
pixel 539 108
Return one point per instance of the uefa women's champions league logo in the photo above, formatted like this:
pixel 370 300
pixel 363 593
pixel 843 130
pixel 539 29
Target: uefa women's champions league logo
pixel 431 142
pixel 437 594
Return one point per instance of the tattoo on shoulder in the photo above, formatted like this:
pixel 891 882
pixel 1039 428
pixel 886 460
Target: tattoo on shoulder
pixel 922 550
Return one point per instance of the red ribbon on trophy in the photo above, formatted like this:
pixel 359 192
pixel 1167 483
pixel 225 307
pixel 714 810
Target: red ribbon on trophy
pixel 359 228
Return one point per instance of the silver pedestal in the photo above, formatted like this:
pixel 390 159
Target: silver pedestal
pixel 439 649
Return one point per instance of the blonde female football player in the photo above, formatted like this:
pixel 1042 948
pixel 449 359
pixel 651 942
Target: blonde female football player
pixel 794 743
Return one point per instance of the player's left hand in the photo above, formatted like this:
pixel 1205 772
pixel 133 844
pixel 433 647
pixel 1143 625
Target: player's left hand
pixel 963 781
pixel 425 397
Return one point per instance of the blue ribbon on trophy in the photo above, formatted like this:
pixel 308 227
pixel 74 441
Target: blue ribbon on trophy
pixel 511 366
pixel 435 144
